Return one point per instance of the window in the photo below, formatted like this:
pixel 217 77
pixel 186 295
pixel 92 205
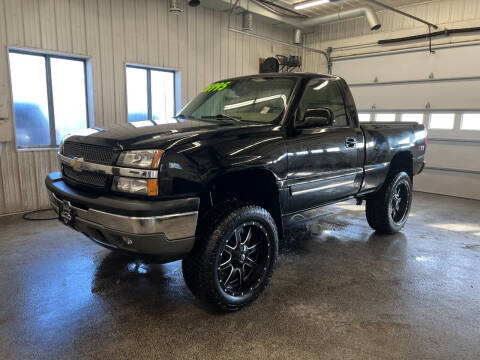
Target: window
pixel 321 93
pixel 49 97
pixel 415 117
pixel 386 117
pixel 150 94
pixel 364 117
pixel 443 121
pixel 470 121
pixel 259 99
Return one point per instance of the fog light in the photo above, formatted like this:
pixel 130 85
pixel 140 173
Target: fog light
pixel 127 240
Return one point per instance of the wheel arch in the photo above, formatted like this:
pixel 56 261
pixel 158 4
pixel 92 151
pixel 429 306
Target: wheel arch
pixel 256 186
pixel 402 161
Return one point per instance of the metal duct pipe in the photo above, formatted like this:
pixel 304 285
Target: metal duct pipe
pixel 253 7
pixel 304 25
pixel 301 47
pixel 247 21
pixel 297 37
pixel 173 7
pixel 366 11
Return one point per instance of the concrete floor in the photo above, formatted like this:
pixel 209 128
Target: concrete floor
pixel 340 292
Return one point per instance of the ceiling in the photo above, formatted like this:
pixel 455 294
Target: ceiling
pixel 333 7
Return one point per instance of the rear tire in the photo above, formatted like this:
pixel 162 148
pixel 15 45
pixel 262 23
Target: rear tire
pixel 387 210
pixel 233 257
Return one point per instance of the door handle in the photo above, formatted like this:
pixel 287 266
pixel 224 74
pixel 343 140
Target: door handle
pixel 350 143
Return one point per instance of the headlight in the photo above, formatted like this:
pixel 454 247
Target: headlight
pixel 143 159
pixel 135 186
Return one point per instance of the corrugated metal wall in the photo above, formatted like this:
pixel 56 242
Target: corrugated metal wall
pixel 441 12
pixel 111 33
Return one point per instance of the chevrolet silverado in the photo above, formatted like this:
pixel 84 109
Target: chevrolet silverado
pixel 217 187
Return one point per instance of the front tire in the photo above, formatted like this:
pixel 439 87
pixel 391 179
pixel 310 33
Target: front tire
pixel 387 210
pixel 233 257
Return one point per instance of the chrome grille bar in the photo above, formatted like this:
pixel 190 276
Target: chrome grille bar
pixel 78 164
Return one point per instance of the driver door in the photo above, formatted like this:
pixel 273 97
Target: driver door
pixel 324 160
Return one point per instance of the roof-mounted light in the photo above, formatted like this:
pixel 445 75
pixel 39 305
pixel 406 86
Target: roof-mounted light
pixel 309 3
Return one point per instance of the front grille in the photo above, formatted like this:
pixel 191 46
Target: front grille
pixel 91 153
pixel 90 179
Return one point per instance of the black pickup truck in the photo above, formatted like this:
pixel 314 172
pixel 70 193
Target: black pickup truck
pixel 218 187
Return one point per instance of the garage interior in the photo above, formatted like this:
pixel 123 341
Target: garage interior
pixel 339 291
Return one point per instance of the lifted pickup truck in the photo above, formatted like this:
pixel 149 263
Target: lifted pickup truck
pixel 217 187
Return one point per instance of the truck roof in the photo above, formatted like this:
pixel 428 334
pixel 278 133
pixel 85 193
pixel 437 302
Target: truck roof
pixel 303 75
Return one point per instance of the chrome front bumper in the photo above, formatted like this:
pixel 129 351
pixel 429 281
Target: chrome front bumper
pixel 165 229
pixel 174 226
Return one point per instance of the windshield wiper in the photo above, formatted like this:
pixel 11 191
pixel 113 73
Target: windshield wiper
pixel 221 116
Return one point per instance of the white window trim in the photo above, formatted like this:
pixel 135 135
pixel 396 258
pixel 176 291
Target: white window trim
pixel 177 80
pixel 49 54
pixel 431 113
pixel 423 113
pixel 461 120
pixel 455 134
pixel 376 113
pixel 366 113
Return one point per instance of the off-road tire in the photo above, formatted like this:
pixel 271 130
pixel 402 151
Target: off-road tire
pixel 379 205
pixel 200 268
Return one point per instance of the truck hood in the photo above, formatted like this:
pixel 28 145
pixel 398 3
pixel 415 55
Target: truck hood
pixel 148 134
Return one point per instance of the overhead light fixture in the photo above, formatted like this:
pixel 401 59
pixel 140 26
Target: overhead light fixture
pixel 309 3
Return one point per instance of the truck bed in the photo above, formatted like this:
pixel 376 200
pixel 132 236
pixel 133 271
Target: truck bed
pixel 383 141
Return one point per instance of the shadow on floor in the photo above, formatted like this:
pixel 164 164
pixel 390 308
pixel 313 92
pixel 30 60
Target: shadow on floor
pixel 121 277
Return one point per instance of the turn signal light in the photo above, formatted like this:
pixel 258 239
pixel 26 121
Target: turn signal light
pixel 153 187
pixel 135 186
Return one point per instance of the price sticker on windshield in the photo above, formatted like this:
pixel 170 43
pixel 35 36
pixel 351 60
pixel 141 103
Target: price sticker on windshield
pixel 217 86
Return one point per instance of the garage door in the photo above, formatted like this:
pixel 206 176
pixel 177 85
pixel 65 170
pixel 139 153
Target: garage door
pixel 443 91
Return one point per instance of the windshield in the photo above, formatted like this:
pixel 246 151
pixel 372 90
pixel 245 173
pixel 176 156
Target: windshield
pixel 260 99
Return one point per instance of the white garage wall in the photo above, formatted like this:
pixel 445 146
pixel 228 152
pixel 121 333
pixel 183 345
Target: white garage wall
pixel 111 33
pixel 347 37
pixel 354 32
pixel 452 155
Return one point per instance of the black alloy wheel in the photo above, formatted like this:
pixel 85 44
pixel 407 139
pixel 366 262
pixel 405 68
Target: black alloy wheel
pixel 245 258
pixel 400 203
pixel 233 257
pixel 387 210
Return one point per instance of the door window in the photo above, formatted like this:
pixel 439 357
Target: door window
pixel 324 93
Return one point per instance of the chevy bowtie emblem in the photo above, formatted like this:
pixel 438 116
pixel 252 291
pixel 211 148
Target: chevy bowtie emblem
pixel 76 164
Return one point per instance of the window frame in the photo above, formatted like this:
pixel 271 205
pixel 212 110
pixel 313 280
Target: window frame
pixel 462 114
pixel 400 114
pixel 394 113
pixel 342 95
pixel 432 113
pixel 177 97
pixel 48 55
pixel 364 113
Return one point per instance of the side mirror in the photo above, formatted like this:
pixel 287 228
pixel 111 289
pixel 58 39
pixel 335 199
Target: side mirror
pixel 315 118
